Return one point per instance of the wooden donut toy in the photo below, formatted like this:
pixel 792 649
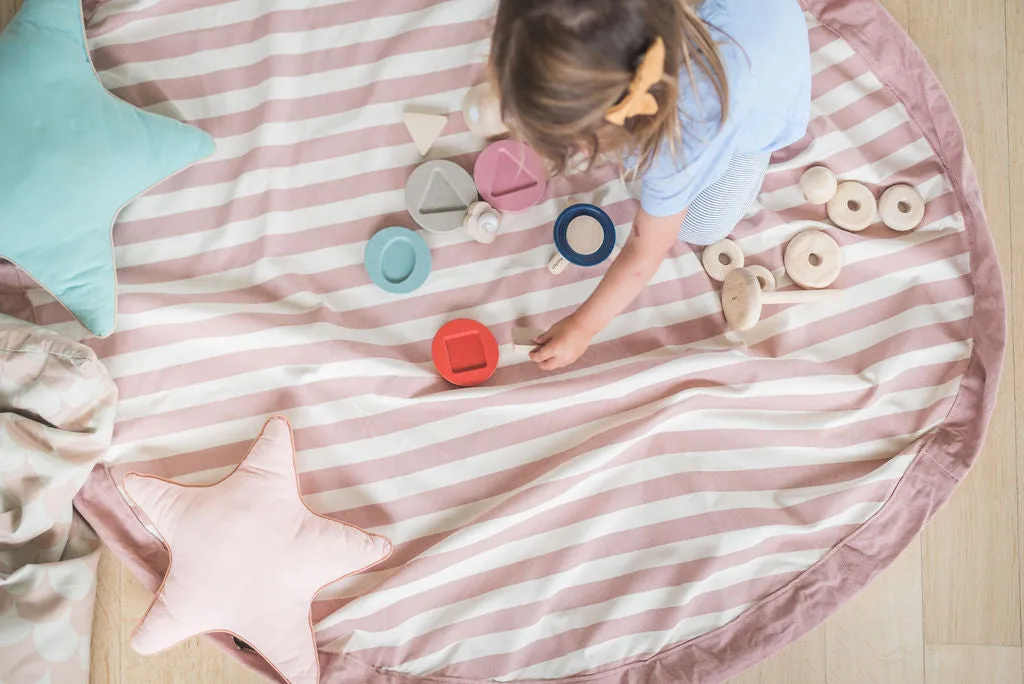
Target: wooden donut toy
pixel 721 258
pixel 853 208
pixel 901 208
pixel 765 278
pixel 813 260
pixel 743 300
pixel 819 185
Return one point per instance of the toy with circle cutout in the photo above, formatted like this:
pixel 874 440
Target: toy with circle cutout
pixel 584 236
pixel 397 260
pixel 465 353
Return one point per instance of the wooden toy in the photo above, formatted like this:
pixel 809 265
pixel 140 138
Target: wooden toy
pixel 742 298
pixel 482 112
pixel 585 235
pixel 465 353
pixel 482 222
pixel 721 258
pixel 765 278
pixel 439 194
pixel 853 208
pixel 819 185
pixel 813 260
pixel 902 208
pixel 510 176
pixel 425 129
pixel 523 339
pixel 397 260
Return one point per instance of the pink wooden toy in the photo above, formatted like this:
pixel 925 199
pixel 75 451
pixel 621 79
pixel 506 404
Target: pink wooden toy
pixel 510 176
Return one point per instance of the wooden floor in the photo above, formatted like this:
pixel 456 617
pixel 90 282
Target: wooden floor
pixel 949 611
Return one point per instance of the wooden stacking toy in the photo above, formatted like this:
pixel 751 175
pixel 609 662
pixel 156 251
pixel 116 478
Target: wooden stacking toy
pixel 813 260
pixel 853 208
pixel 722 258
pixel 510 176
pixel 482 222
pixel 901 208
pixel 743 299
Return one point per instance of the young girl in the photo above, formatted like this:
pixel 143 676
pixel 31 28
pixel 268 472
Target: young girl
pixel 693 97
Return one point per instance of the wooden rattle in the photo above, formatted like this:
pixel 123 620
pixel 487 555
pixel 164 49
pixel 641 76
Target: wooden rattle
pixel 742 299
pixel 901 208
pixel 819 185
pixel 813 260
pixel 853 208
pixel 721 258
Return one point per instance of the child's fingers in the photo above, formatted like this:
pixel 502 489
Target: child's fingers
pixel 544 353
pixel 544 337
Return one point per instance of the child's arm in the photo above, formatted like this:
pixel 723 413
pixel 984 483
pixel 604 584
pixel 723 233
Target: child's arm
pixel 651 240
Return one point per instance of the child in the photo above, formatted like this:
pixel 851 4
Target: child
pixel 693 97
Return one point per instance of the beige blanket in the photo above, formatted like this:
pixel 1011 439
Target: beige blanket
pixel 56 419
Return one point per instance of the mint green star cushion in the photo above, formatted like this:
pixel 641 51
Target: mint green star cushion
pixel 71 155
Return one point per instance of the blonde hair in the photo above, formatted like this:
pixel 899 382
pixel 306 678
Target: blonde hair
pixel 560 65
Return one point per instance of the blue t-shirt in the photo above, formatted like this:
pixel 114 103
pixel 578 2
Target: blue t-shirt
pixel 765 52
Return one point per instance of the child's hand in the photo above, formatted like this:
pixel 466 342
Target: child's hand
pixel 562 345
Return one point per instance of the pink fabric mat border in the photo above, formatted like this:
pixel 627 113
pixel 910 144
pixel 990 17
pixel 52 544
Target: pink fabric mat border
pixel 942 461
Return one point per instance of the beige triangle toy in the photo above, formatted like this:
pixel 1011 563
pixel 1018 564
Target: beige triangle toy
pixel 425 129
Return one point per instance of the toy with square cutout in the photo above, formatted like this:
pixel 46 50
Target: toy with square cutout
pixel 465 352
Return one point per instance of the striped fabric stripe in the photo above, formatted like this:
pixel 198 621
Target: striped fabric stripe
pixel 544 525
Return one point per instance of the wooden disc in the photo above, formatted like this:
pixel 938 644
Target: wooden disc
pixel 902 208
pixel 721 258
pixel 853 208
pixel 813 260
pixel 765 278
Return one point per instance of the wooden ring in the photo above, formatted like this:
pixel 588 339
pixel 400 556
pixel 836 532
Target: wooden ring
pixel 853 208
pixel 765 278
pixel 813 260
pixel 721 258
pixel 902 208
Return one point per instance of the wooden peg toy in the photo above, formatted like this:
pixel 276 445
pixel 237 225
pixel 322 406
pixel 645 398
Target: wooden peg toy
pixel 742 299
pixel 813 260
pixel 853 208
pixel 721 258
pixel 902 208
pixel 819 185
pixel 438 196
pixel 482 222
pixel 425 129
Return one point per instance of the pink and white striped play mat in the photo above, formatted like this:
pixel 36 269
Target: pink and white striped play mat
pixel 674 508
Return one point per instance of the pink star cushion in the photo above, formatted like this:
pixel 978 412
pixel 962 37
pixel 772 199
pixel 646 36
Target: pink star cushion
pixel 247 557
